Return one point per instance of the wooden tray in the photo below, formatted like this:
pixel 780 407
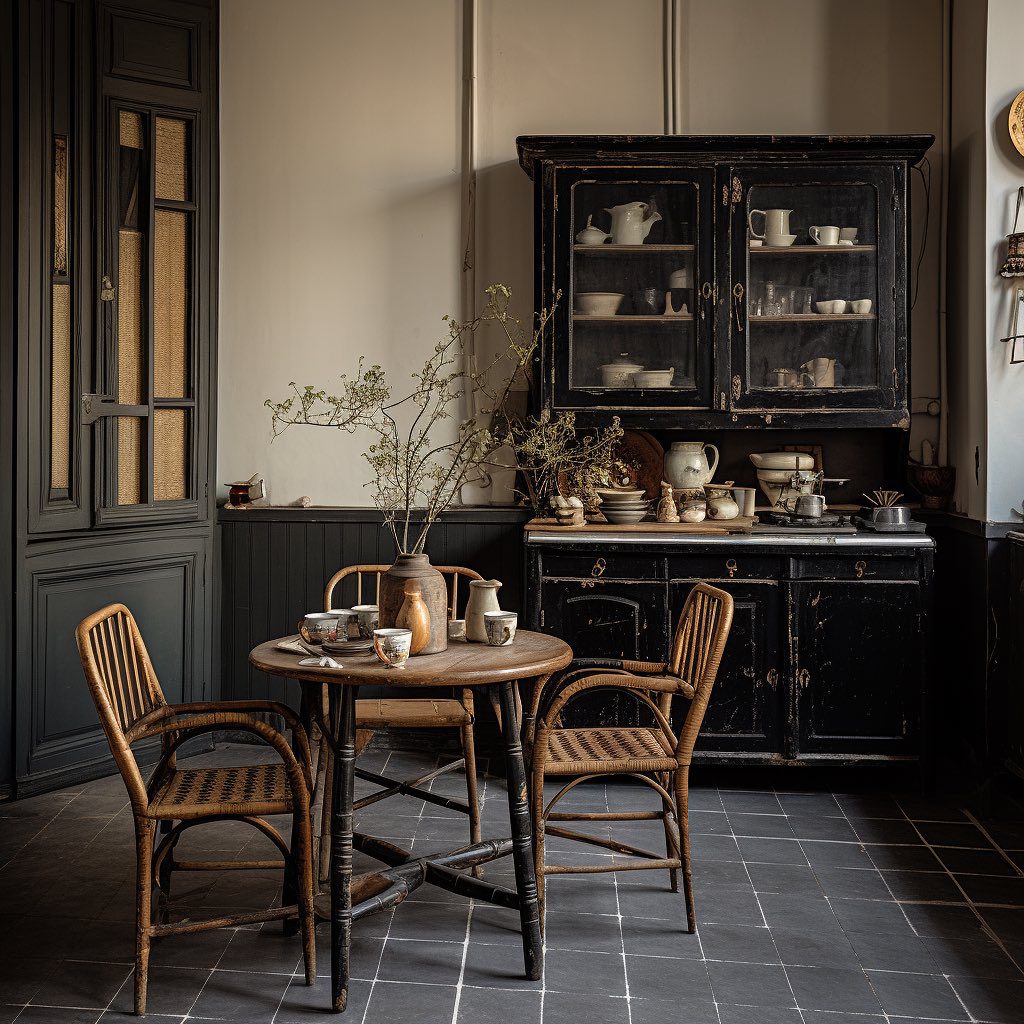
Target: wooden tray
pixel 741 524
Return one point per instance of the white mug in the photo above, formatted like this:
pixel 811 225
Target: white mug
pixel 848 235
pixel 824 236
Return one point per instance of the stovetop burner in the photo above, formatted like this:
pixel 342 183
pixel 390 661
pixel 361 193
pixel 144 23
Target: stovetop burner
pixel 828 521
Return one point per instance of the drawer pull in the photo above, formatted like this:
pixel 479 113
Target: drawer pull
pixel 803 678
pixel 859 568
pixel 772 677
pixel 599 567
pixel 731 567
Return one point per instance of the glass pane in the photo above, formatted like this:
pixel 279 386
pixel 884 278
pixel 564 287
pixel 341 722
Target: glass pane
pixel 170 455
pixel 131 433
pixel 170 303
pixel 60 205
pixel 171 159
pixel 634 268
pixel 60 388
pixel 812 287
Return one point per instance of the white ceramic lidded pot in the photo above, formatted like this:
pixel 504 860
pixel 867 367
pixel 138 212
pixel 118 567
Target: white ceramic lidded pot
pixel 686 464
pixel 483 597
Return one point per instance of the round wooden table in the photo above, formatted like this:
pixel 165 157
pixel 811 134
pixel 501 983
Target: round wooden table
pixel 532 656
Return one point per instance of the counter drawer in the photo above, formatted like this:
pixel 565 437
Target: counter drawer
pixel 729 565
pixel 599 564
pixel 856 567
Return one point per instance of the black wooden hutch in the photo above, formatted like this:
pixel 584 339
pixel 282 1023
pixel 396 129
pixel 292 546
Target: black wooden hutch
pixel 827 661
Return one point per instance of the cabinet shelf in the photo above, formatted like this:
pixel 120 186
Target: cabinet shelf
pixel 633 250
pixel 806 318
pixel 632 318
pixel 804 250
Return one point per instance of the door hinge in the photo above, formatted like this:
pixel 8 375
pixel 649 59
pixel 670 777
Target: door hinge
pixel 722 401
pixel 772 678
pixel 803 679
pixel 542 616
pixel 107 291
pixel 737 387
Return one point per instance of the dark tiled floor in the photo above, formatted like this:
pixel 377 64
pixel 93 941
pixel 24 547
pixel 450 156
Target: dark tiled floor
pixel 813 908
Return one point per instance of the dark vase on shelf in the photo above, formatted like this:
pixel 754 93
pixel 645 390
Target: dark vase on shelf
pixel 416 572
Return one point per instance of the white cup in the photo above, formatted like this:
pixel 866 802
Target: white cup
pixel 828 235
pixel 500 627
pixel 848 235
pixel 860 306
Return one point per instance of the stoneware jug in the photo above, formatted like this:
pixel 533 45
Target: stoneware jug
pixel 776 223
pixel 631 223
pixel 686 464
pixel 483 597
pixel 416 570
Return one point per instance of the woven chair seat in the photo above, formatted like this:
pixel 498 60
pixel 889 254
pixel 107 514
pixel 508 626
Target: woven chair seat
pixel 255 789
pixel 584 751
pixel 411 713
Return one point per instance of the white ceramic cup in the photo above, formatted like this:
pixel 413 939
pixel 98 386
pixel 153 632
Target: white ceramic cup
pixel 392 646
pixel 828 235
pixel 860 306
pixel 745 497
pixel 319 627
pixel 346 623
pixel 367 617
pixel 457 629
pixel 500 627
pixel 848 235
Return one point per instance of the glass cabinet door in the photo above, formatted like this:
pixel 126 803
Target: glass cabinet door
pixel 812 310
pixel 634 325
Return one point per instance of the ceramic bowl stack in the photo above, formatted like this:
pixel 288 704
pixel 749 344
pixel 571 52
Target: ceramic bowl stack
pixel 623 506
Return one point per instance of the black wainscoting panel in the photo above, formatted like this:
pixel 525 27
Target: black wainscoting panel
pixel 275 562
pixel 163 581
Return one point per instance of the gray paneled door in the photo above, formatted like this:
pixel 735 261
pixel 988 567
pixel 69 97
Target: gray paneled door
pixel 116 268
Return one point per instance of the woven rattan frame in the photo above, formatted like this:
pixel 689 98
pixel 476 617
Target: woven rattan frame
pixel 652 755
pixel 131 708
pixel 368 711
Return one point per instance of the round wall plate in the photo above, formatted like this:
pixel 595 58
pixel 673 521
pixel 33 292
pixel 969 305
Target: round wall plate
pixel 1016 122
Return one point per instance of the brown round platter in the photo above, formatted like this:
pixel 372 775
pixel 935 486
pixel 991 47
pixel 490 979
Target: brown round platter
pixel 1016 122
pixel 644 457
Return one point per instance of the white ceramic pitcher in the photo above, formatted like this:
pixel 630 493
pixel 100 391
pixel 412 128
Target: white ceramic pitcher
pixel 686 464
pixel 632 223
pixel 776 224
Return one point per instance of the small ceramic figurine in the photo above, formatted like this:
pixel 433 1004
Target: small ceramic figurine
pixel 667 511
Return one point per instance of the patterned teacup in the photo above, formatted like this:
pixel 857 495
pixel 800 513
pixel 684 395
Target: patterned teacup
pixel 392 646
pixel 500 627
pixel 367 617
pixel 319 627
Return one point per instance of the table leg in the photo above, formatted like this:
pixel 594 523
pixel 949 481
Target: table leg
pixel 522 833
pixel 343 725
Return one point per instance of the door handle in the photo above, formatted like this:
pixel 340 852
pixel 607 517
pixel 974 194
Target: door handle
pixel 96 407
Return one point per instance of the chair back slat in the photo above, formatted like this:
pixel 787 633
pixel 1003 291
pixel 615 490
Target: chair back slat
pixel 122 682
pixel 451 573
pixel 697 648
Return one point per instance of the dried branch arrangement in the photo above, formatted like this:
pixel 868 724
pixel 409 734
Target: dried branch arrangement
pixel 885 499
pixel 417 473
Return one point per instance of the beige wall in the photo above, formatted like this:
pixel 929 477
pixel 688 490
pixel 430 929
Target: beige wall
pixel 340 156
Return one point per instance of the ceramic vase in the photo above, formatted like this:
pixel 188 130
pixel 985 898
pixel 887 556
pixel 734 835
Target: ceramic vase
pixel 416 570
pixel 483 597
pixel 413 616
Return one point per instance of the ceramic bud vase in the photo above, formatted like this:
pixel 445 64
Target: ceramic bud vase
pixel 413 616
pixel 483 597
pixel 415 571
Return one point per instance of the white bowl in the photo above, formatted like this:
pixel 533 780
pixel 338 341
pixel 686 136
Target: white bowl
pixel 599 303
pixel 831 306
pixel 625 518
pixel 860 306
pixel 653 378
pixel 782 460
pixel 620 493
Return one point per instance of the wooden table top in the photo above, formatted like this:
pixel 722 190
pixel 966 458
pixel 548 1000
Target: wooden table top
pixel 463 664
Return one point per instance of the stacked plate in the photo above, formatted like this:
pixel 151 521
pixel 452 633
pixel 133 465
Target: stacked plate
pixel 623 506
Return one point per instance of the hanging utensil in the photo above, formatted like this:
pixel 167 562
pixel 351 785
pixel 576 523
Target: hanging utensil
pixel 1013 265
pixel 1015 334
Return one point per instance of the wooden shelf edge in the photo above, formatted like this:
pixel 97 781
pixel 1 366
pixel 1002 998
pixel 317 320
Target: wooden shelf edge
pixel 806 318
pixel 633 318
pixel 633 249
pixel 784 250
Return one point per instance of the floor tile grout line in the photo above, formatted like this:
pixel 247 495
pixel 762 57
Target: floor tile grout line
pixel 622 937
pixel 998 848
pixel 760 910
pixel 462 967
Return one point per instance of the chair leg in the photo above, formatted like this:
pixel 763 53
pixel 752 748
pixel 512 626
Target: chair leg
pixel 682 788
pixel 302 865
pixel 671 836
pixel 144 832
pixel 163 895
pixel 327 761
pixel 469 755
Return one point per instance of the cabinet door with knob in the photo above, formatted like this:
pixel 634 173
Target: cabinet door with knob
pixel 745 713
pixel 857 666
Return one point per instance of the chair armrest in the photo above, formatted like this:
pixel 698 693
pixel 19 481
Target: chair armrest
pixel 639 685
pixel 271 707
pixel 196 724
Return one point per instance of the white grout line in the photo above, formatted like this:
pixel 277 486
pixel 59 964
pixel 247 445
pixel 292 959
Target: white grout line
pixel 462 966
pixel 622 936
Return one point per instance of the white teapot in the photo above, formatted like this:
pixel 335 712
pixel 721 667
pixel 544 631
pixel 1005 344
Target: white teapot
pixel 632 223
pixel 686 464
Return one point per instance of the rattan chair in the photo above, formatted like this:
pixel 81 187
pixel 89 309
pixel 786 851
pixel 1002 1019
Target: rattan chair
pixel 132 708
pixel 653 755
pixel 455 712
